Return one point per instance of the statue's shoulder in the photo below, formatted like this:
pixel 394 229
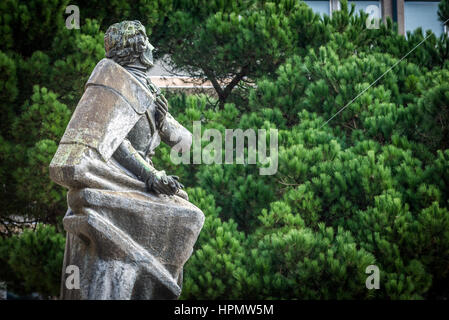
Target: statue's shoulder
pixel 104 70
pixel 109 74
pixel 111 105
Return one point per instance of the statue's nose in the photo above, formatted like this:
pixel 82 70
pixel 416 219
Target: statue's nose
pixel 149 45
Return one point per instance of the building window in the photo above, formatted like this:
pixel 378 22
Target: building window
pixel 422 14
pixel 321 7
pixel 363 6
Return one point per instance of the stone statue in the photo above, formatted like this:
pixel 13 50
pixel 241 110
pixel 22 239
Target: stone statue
pixel 130 227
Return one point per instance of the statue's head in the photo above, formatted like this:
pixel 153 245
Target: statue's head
pixel 127 41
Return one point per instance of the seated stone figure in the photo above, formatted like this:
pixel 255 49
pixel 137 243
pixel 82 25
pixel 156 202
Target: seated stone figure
pixel 130 227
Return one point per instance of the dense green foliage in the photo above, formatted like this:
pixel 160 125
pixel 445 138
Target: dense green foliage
pixel 238 40
pixel 443 11
pixel 32 260
pixel 371 186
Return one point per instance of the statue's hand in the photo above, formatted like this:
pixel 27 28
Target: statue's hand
pixel 161 183
pixel 161 108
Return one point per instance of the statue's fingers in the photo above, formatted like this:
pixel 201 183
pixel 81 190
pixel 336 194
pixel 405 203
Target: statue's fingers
pixel 165 99
pixel 163 106
pixel 153 87
pixel 171 181
pixel 179 186
pixel 176 182
pixel 162 189
pixel 162 101
pixel 164 179
pixel 162 109
pixel 169 189
pixel 159 104
pixel 173 186
pixel 156 189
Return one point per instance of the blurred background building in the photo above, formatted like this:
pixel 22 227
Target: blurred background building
pixel 409 15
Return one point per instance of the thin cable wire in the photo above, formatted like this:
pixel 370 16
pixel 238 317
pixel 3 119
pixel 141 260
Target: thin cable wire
pixel 375 81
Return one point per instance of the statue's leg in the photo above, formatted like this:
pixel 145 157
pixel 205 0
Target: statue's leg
pixel 129 245
pixel 66 293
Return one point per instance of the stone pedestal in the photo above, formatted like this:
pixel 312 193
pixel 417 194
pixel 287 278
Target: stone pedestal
pixel 128 244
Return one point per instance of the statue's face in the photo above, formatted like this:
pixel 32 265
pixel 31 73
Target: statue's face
pixel 127 41
pixel 146 50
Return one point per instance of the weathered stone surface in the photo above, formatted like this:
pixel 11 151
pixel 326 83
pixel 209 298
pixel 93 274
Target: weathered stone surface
pixel 130 228
pixel 120 239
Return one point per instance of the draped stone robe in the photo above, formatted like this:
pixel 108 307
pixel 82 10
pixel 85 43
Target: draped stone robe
pixel 127 243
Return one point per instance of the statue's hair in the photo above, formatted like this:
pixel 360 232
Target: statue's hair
pixel 120 41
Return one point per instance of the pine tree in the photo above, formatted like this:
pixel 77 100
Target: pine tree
pixel 216 269
pixel 237 41
pixel 34 260
pixel 443 11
